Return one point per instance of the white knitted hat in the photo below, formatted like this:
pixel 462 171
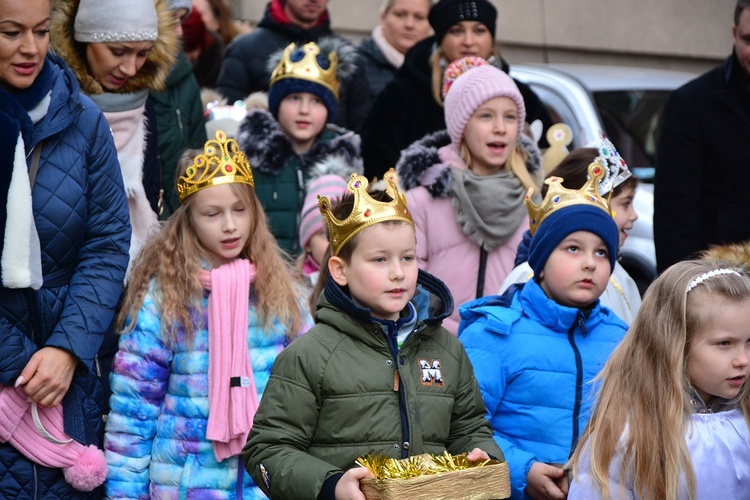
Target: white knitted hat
pixel 100 21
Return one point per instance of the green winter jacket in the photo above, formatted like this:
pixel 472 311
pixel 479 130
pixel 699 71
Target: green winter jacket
pixel 342 391
pixel 180 124
pixel 281 175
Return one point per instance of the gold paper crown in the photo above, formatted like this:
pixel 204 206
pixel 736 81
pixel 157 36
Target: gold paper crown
pixel 558 196
pixel 308 68
pixel 222 162
pixel 366 212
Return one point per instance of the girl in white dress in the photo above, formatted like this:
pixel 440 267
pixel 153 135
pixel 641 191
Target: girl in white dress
pixel 671 419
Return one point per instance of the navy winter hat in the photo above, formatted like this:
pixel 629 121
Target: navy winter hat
pixel 287 86
pixel 446 13
pixel 559 224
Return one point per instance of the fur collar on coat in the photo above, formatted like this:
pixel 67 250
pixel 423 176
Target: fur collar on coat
pixel 268 148
pixel 152 76
pixel 425 153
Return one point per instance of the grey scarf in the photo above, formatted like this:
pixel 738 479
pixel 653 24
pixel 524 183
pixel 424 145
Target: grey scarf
pixel 489 208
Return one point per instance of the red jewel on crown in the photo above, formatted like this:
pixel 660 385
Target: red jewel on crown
pixel 367 213
pixel 597 170
pixel 228 168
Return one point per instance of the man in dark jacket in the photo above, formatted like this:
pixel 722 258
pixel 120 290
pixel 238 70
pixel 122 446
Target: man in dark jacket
pixel 245 67
pixel 702 176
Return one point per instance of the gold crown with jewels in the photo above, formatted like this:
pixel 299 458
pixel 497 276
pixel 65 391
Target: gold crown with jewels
pixel 366 212
pixel 558 196
pixel 307 68
pixel 222 162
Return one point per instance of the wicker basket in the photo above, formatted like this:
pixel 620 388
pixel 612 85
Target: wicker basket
pixel 475 483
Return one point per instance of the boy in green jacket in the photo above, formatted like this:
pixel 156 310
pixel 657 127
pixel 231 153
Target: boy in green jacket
pixel 377 374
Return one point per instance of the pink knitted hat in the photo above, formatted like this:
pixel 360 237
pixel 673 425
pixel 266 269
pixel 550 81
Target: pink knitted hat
pixel 469 83
pixel 311 221
pixel 84 467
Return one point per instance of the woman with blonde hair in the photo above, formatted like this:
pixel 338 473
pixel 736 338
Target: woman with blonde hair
pixel 403 23
pixel 466 185
pixel 411 105
pixel 673 409
pixel 209 306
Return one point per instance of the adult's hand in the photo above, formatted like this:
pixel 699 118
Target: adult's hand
pixel 46 377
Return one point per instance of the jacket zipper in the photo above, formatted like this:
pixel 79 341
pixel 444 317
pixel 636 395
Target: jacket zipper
pixel 36 482
pixel 579 377
pixel 401 395
pixel 179 122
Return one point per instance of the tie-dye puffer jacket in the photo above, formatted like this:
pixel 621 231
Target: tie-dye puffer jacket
pixel 155 439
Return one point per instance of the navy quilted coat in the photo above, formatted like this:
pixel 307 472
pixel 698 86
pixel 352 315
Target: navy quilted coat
pixel 81 216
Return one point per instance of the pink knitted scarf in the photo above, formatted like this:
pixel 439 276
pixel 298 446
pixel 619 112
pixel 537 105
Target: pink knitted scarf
pixel 232 395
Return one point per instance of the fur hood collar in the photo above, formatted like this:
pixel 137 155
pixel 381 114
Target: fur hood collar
pixel 336 151
pixel 152 76
pixel 423 163
pixel 345 51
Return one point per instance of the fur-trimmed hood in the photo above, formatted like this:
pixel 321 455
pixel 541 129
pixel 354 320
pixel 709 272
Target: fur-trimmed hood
pixel 268 148
pixel 152 76
pixel 346 52
pixel 421 163
pixel 737 254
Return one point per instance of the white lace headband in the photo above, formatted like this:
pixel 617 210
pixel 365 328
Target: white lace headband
pixel 710 274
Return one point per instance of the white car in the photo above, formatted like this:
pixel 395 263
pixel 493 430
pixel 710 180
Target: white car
pixel 625 103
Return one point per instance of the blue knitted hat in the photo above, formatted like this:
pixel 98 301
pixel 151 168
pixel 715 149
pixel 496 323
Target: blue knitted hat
pixel 570 219
pixel 283 88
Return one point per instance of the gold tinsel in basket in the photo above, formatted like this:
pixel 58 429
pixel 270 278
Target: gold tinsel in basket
pixel 383 467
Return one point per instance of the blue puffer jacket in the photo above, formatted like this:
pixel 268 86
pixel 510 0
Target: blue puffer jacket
pixel 156 442
pixel 81 216
pixel 535 360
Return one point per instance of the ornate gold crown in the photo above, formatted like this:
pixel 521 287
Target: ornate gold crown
pixel 366 212
pixel 559 196
pixel 308 68
pixel 222 162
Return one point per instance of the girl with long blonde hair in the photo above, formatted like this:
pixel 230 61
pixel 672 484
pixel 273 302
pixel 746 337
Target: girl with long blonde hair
pixel 466 185
pixel 209 306
pixel 672 414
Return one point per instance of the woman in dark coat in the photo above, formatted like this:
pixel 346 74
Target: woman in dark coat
pixel 411 106
pixel 64 242
pixel 403 23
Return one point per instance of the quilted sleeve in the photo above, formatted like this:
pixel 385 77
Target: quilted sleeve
pixel 275 454
pixel 96 284
pixel 16 349
pixel 469 426
pixel 140 374
pixel 486 358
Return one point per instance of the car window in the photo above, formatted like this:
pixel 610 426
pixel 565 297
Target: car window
pixel 560 111
pixel 631 119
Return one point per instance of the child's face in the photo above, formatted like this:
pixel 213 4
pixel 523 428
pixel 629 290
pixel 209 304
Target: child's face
pixel 302 116
pixel 221 221
pixel 317 246
pixel 382 272
pixel 625 214
pixel 719 362
pixel 491 135
pixel 577 271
